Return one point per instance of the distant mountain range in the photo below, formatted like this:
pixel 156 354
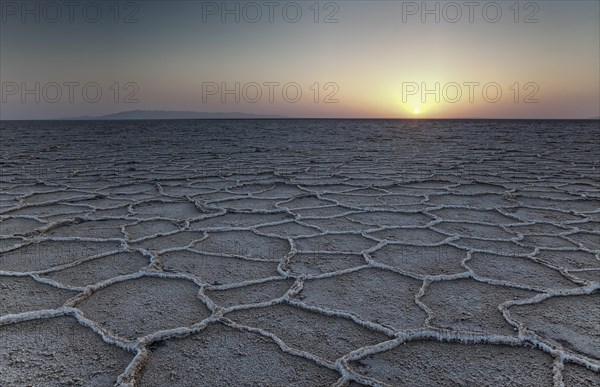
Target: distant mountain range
pixel 193 115
pixel 170 115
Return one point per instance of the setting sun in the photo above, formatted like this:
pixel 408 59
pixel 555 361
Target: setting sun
pixel 416 110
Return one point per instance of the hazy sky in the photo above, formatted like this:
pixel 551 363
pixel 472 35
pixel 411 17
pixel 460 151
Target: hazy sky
pixel 389 59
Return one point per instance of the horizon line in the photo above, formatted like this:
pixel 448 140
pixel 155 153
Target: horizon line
pixel 308 118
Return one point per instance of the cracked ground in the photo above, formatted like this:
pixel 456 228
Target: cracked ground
pixel 300 253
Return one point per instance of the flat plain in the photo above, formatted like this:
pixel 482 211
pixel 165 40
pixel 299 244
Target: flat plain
pixel 300 253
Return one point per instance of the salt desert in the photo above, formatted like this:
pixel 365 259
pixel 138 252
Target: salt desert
pixel 300 253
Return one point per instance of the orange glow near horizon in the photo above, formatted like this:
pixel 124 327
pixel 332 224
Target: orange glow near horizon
pixel 357 67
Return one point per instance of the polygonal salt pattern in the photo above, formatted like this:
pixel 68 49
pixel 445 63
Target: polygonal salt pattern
pixel 577 329
pixel 217 270
pixel 248 258
pixel 519 271
pixel 388 294
pixel 435 363
pixel 100 269
pixel 38 256
pixel 250 294
pixel 321 263
pixel 245 244
pixel 422 260
pixel 223 356
pixel 349 244
pixel 138 307
pixel 58 351
pixel 24 294
pixel 19 226
pixel 471 306
pixel 324 336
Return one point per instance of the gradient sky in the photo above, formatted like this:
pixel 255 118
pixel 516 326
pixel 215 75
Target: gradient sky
pixel 371 54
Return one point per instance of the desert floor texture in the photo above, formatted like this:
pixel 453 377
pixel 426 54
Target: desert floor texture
pixel 300 253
